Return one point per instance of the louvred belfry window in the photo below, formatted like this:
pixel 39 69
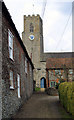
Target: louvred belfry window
pixel 10 41
pixel 31 27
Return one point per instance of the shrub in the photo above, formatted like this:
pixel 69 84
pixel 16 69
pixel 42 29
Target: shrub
pixel 37 89
pixel 66 96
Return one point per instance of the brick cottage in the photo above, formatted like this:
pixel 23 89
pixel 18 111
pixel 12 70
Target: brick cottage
pixel 17 68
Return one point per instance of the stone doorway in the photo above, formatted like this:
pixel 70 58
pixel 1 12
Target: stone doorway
pixel 43 82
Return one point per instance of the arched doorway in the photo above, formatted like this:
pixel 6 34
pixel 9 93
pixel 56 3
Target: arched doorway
pixel 43 82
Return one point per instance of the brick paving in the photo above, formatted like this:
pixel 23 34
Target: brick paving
pixel 42 106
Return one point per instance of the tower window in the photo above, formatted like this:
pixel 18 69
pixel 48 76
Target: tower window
pixel 31 27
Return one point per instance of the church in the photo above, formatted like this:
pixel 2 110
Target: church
pixel 32 37
pixel 23 61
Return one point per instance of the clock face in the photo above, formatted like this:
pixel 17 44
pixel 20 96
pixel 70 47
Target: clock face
pixel 31 37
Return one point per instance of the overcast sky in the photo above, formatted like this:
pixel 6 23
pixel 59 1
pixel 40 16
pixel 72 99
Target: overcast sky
pixel 57 21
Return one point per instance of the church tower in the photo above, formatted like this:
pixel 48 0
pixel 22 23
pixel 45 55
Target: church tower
pixel 32 37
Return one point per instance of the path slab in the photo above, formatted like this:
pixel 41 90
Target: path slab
pixel 42 106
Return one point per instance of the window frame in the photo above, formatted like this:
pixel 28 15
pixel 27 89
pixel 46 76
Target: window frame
pixel 30 70
pixel 26 65
pixel 52 82
pixel 58 72
pixel 71 71
pixel 10 44
pixel 19 85
pixel 11 79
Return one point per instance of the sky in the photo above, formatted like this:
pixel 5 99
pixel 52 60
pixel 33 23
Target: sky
pixel 57 21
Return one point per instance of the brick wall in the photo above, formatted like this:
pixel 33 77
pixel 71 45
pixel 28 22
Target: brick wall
pixel 63 64
pixel 10 100
pixel 0 60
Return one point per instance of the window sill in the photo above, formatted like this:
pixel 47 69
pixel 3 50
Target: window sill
pixel 19 97
pixel 12 88
pixel 11 59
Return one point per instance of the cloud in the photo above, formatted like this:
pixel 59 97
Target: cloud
pixel 54 28
pixel 54 21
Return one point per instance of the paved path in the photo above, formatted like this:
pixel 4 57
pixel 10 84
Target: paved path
pixel 42 106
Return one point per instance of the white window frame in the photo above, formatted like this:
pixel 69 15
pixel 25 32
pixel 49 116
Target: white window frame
pixel 11 80
pixel 26 66
pixel 10 44
pixel 70 71
pixel 30 70
pixel 58 72
pixel 18 84
pixel 52 82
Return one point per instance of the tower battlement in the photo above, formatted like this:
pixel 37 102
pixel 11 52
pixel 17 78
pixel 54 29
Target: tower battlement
pixel 31 16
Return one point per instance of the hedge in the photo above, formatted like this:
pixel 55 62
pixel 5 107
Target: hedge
pixel 66 96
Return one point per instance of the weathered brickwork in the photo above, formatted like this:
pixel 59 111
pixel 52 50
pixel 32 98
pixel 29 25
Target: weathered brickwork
pixel 10 100
pixel 0 60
